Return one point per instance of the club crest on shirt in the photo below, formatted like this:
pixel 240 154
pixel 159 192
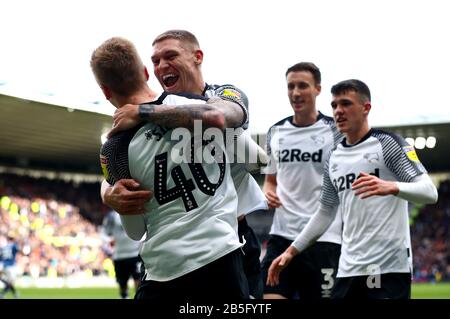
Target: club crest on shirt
pixel 334 168
pixel 318 139
pixel 411 153
pixel 371 157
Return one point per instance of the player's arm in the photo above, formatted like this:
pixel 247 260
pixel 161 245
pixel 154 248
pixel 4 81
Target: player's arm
pixel 250 153
pixel 107 228
pixel 134 226
pixel 420 191
pixel 270 181
pixel 316 226
pixel 103 189
pixel 270 190
pixel 215 113
pixel 412 184
pixel 125 196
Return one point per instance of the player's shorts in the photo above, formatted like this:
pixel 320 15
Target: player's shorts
pixel 126 268
pixel 9 273
pixel 222 279
pixel 384 286
pixel 252 265
pixel 310 275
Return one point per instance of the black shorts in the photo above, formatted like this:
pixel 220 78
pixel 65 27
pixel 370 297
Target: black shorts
pixel 126 268
pixel 310 275
pixel 386 286
pixel 222 279
pixel 252 265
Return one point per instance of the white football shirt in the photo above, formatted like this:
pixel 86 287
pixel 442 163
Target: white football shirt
pixel 192 218
pixel 298 156
pixel 124 247
pixel 375 238
pixel 250 195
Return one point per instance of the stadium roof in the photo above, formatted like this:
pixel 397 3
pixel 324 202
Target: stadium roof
pixel 46 136
pixel 35 134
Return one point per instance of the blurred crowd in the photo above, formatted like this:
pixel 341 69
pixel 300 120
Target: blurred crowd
pixel 56 224
pixel 430 238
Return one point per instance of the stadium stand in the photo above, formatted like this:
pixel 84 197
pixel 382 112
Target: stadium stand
pixel 55 224
pixel 430 239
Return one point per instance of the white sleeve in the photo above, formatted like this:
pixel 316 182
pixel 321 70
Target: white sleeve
pixel 250 153
pixel 420 191
pixel 103 188
pixel 316 226
pixel 134 226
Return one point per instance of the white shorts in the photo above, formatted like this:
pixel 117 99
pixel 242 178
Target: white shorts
pixel 9 273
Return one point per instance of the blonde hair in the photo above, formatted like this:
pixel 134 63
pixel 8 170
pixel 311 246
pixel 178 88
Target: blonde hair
pixel 116 64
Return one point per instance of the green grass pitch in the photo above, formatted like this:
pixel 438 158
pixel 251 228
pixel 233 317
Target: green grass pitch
pixel 419 291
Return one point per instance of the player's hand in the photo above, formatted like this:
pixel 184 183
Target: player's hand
pixel 125 117
pixel 368 185
pixel 278 264
pixel 126 198
pixel 272 199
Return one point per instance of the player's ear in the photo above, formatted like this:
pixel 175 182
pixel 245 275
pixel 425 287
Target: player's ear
pixel 367 108
pixel 106 91
pixel 146 73
pixel 198 56
pixel 318 88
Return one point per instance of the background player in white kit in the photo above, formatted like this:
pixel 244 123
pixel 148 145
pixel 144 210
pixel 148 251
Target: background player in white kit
pixel 298 146
pixel 177 60
pixel 191 249
pixel 371 176
pixel 125 252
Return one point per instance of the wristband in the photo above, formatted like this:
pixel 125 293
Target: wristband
pixel 145 110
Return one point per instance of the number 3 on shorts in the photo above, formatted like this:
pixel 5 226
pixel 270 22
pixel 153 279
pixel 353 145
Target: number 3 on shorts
pixel 328 278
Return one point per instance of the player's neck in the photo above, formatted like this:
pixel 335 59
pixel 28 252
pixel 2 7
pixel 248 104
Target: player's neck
pixel 199 86
pixel 354 137
pixel 142 96
pixel 305 119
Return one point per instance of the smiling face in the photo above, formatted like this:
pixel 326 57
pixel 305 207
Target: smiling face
pixel 176 65
pixel 302 92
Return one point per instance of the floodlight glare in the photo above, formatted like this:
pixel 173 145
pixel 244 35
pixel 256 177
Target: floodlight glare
pixel 420 143
pixel 431 142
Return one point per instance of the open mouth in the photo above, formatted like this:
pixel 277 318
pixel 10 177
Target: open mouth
pixel 169 79
pixel 297 103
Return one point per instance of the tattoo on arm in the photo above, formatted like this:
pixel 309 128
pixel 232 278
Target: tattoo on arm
pixel 145 110
pixel 233 113
pixel 185 115
pixel 174 116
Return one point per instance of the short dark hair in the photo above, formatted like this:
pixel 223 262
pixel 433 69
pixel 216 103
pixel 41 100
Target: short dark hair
pixel 357 86
pixel 181 35
pixel 308 67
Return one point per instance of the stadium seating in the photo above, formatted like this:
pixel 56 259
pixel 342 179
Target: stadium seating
pixel 430 239
pixel 55 223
